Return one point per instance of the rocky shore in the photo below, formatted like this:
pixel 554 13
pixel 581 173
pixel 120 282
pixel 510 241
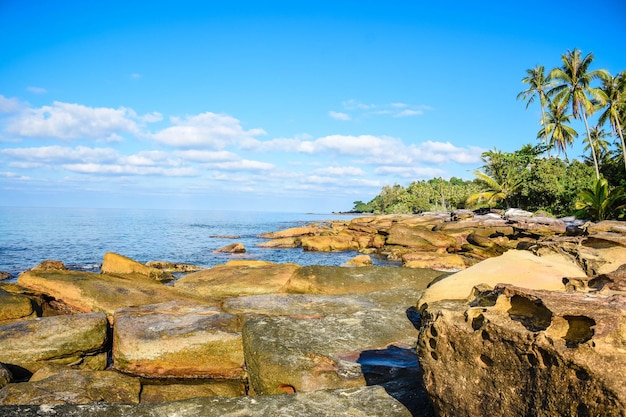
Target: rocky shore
pixel 501 313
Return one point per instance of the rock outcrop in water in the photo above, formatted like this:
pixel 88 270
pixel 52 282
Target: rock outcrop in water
pixel 538 329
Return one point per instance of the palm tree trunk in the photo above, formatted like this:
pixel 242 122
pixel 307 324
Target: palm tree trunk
pixel 593 150
pixel 545 133
pixel 621 136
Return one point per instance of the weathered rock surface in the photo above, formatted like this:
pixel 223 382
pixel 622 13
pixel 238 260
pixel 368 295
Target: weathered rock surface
pixel 291 232
pixel 360 260
pixel 5 275
pixel 74 387
pixel 15 307
pixel 174 266
pixel 5 376
pixel 238 278
pixel 526 352
pixel 355 402
pixel 232 248
pixel 339 280
pixel 86 291
pixel 329 243
pixel 159 392
pixel 50 265
pixel 521 268
pixel 77 340
pixel 418 238
pixel 117 264
pixel 434 260
pixel 286 354
pixel 177 340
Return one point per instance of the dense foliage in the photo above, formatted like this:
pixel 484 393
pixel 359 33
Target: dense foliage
pixel 532 178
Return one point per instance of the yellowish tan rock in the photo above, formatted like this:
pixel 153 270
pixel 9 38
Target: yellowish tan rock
pixel 520 268
pixel 114 263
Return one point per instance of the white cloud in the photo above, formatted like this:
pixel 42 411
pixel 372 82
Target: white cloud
pixel 73 121
pixel 117 169
pixel 340 171
pixel 353 104
pixel 9 105
pixel 61 154
pixel 206 130
pixel 318 179
pixel 242 165
pixel 396 110
pixel 36 90
pixel 206 156
pixel 408 113
pixel 410 172
pixel 135 76
pixel 339 116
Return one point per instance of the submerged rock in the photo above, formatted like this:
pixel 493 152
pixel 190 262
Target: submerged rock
pixel 232 248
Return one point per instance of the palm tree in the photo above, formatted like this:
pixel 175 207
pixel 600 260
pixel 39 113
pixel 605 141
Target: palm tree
pixel 538 86
pixel 600 202
pixel 496 190
pixel 615 90
pixel 575 88
pixel 601 146
pixel 557 126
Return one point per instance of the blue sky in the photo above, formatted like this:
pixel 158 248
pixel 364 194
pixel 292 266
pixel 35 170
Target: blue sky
pixel 301 106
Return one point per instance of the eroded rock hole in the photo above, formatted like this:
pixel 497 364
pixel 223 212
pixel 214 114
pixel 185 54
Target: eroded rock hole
pixel 486 360
pixel 434 355
pixel 433 331
pixel 432 343
pixel 532 314
pixel 478 321
pixel 287 389
pixel 579 331
pixel 485 335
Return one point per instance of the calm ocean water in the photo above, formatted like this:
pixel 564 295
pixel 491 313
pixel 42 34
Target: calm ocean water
pixel 81 237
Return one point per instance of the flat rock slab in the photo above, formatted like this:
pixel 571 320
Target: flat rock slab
pixel 520 268
pixel 177 340
pixel 238 278
pixel 356 402
pixel 87 291
pixel 168 392
pixel 318 279
pixel 74 387
pixel 15 307
pixel 285 354
pixel 75 339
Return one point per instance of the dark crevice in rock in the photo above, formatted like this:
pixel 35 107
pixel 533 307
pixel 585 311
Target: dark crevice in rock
pixel 579 331
pixel 532 314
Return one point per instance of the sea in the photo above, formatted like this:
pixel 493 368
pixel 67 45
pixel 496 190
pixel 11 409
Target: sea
pixel 79 237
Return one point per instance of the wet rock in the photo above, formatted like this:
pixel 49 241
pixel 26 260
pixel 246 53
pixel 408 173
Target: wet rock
pixel 285 242
pixel 159 392
pixel 85 291
pixel 360 260
pixel 50 265
pixel 174 266
pixel 177 340
pixel 525 352
pixel 520 268
pixel 355 402
pixel 291 232
pixel 238 278
pixel 116 264
pixel 15 307
pixel 78 340
pixel 318 279
pixel 285 354
pixel 5 275
pixel 232 248
pixel 74 387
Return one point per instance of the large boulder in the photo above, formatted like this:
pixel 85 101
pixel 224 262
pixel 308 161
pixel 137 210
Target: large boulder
pixel 74 387
pixel 329 243
pixel 237 278
pixel 419 238
pixel 521 268
pixel 177 340
pixel 290 232
pixel 286 354
pixel 86 291
pixel 434 260
pixel 355 402
pixel 15 307
pixel 526 352
pixel 318 279
pixel 78 340
pixel 114 263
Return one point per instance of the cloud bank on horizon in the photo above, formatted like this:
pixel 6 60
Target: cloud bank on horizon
pixel 75 147
pixel 274 105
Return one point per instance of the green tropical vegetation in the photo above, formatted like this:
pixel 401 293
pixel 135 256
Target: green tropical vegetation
pixel 533 178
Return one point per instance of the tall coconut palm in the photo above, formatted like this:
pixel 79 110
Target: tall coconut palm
pixel 496 190
pixel 538 86
pixel 574 87
pixel 615 90
pixel 598 141
pixel 557 127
